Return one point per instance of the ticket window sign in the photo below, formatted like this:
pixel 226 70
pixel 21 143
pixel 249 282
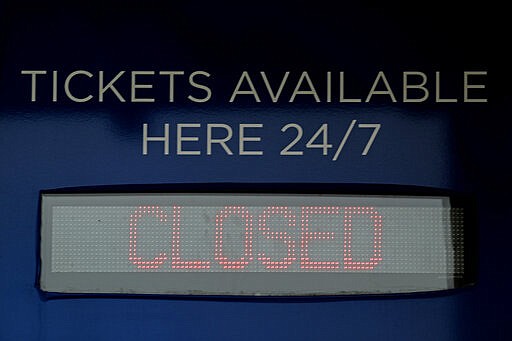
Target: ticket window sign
pixel 252 244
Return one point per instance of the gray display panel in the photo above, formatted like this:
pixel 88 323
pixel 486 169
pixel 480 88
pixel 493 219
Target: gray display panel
pixel 257 244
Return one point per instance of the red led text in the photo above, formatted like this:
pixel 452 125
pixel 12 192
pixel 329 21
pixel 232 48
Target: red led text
pixel 297 244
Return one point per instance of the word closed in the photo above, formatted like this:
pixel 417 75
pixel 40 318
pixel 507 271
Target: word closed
pixel 292 231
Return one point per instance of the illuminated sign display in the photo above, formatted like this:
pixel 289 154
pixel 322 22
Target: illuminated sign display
pixel 250 244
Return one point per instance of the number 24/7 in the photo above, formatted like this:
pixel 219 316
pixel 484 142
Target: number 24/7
pixel 320 139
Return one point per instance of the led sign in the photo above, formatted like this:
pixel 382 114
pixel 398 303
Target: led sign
pixel 250 244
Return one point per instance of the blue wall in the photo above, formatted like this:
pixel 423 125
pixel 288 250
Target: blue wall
pixel 48 145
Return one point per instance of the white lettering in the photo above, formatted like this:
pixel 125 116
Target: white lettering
pixel 388 91
pixel 136 86
pixel 438 91
pixel 199 86
pixel 468 86
pixel 311 91
pixel 407 86
pixel 68 80
pixel 243 139
pixel 34 74
pixel 110 85
pixel 146 139
pixel 221 141
pixel 180 138
pixel 245 76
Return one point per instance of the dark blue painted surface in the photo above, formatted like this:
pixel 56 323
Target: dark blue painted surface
pixel 52 145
